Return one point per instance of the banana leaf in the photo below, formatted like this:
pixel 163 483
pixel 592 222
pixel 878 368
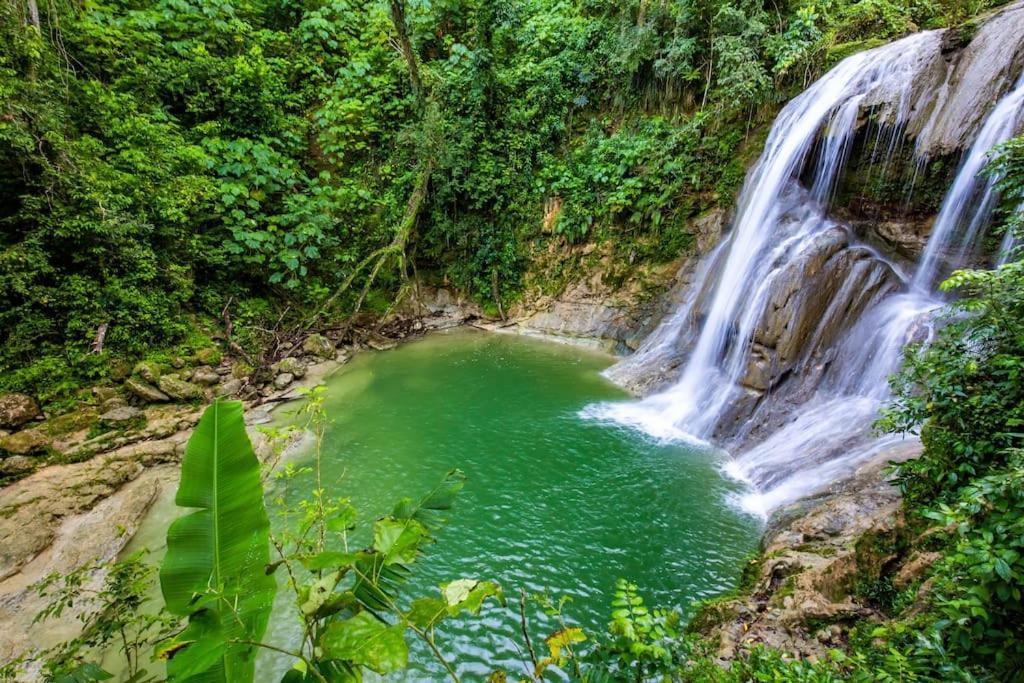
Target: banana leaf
pixel 215 569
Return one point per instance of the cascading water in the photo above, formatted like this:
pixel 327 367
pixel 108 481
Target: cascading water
pixel 780 227
pixel 764 237
pixel 969 202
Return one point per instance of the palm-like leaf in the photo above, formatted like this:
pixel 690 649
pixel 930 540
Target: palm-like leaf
pixel 214 572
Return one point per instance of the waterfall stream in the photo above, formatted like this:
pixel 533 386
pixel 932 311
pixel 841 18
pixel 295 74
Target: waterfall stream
pixel 786 266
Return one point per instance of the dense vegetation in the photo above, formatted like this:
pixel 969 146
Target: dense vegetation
pixel 167 161
pixel 164 162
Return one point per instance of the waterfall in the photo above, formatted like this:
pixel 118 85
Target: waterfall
pixel 782 231
pixel 968 205
pixel 765 235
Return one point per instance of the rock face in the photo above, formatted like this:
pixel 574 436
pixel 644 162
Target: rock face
pixel 17 409
pixel 802 596
pixel 982 72
pixel 596 309
pixel 58 542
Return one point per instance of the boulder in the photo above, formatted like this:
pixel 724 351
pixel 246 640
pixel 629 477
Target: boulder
pixel 68 423
pixel 103 394
pixel 283 380
pixel 180 389
pixel 178 362
pixel 205 376
pixel 230 387
pixel 319 345
pixel 292 366
pixel 147 392
pixel 16 465
pixel 17 409
pixel 25 442
pixel 147 371
pixel 115 402
pixel 119 417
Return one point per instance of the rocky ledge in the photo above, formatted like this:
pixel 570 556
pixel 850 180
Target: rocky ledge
pixel 820 563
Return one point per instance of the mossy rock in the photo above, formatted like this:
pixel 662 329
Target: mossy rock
pixel 208 356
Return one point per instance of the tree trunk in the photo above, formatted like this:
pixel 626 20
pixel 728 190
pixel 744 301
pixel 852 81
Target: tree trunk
pixel 33 14
pixel 402 29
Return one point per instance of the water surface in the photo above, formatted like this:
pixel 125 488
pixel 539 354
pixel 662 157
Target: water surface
pixel 552 502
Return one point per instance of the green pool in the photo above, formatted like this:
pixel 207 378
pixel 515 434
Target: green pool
pixel 553 501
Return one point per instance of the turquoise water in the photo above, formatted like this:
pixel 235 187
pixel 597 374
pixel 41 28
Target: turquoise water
pixel 552 502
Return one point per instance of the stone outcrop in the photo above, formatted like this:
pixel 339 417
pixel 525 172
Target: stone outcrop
pixel 17 409
pixel 598 309
pixel 181 390
pixel 147 392
pixel 980 72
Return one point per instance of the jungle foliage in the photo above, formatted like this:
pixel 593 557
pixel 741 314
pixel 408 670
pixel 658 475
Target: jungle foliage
pixel 163 162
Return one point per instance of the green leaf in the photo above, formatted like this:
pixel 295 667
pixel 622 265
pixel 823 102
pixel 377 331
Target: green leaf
pixel 366 641
pixel 215 569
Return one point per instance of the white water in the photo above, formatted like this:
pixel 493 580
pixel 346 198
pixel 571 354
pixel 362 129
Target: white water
pixel 968 205
pixel 829 434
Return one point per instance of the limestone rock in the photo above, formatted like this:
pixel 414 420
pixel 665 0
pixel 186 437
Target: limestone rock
pixel 74 421
pixel 146 392
pixel 205 376
pixel 16 465
pixel 283 380
pixel 147 371
pixel 229 387
pixel 180 389
pixel 379 343
pixel 119 417
pixel 318 345
pixel 104 394
pixel 17 409
pixel 292 366
pixel 25 442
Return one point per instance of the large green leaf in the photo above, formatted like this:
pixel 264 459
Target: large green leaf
pixel 366 641
pixel 215 569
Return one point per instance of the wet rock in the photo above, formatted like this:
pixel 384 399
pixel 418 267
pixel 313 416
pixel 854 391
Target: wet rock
pixel 17 409
pixel 283 380
pixel 981 73
pixel 145 391
pixel 119 417
pixel 378 343
pixel 16 465
pixel 26 442
pixel 180 389
pixel 292 366
pixel 148 371
pixel 205 376
pixel 318 345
